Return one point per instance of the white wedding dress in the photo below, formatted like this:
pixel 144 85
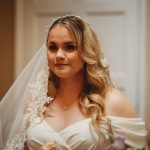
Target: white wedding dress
pixel 21 106
pixel 79 136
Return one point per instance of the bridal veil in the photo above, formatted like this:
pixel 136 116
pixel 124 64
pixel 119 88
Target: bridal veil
pixel 24 101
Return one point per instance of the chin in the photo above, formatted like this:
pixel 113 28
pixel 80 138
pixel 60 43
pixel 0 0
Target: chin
pixel 62 75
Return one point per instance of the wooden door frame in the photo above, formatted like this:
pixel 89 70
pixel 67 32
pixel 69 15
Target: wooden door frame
pixel 19 38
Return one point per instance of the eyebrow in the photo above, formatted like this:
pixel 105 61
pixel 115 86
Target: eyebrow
pixel 69 42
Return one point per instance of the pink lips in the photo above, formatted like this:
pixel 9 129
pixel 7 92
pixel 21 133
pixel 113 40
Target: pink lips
pixel 60 65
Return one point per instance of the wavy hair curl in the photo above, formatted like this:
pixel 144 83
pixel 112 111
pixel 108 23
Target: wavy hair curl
pixel 96 74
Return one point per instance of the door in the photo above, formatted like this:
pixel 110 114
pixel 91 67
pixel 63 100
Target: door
pixel 116 23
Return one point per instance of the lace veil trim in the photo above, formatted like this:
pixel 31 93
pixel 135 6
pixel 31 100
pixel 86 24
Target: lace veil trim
pixel 34 109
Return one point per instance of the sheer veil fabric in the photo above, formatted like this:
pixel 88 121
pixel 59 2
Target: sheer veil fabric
pixel 24 101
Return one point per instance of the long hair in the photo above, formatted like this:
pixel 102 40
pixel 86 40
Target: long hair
pixel 96 74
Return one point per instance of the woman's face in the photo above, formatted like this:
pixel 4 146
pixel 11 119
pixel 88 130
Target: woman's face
pixel 63 55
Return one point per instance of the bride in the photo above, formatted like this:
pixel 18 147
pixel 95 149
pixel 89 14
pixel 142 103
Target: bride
pixel 64 99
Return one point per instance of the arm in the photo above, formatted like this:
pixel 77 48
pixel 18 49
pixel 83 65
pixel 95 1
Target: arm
pixel 116 104
pixel 125 120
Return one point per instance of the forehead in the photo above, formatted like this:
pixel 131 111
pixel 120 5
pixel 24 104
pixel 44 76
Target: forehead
pixel 60 32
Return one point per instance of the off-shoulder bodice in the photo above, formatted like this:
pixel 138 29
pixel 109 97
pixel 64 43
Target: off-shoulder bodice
pixel 79 135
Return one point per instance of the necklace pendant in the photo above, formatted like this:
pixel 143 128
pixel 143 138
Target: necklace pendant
pixel 65 108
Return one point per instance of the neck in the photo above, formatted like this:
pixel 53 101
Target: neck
pixel 70 89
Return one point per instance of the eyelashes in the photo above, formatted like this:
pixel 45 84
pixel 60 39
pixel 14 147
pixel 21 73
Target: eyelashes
pixel 66 47
pixel 70 47
pixel 52 48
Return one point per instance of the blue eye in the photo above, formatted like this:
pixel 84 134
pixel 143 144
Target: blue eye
pixel 70 47
pixel 52 48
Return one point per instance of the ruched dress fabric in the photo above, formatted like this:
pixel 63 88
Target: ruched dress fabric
pixel 79 135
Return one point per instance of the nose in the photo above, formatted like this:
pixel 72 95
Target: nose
pixel 60 54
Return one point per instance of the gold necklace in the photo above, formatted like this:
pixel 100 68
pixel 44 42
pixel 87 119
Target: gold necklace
pixel 65 108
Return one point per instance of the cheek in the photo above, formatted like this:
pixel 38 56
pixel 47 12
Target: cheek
pixel 82 62
pixel 50 59
pixel 79 63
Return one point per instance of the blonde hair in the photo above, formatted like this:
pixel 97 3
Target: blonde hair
pixel 96 74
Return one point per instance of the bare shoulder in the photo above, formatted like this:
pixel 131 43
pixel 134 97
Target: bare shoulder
pixel 116 104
